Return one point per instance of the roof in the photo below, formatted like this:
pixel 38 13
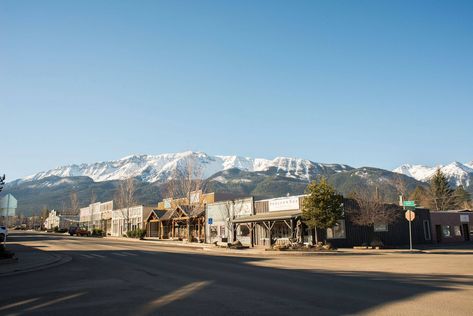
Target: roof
pixel 158 213
pixel 452 211
pixel 269 216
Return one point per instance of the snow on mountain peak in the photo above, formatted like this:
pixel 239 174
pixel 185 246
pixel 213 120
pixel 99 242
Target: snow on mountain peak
pixel 457 173
pixel 151 168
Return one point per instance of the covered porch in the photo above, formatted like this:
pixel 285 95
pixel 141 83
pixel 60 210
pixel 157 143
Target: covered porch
pixel 272 227
pixel 181 223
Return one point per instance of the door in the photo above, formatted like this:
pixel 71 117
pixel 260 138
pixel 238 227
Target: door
pixel 466 232
pixel 438 233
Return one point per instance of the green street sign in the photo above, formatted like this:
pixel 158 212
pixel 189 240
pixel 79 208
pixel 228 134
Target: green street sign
pixel 409 203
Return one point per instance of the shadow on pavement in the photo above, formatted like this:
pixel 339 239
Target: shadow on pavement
pixel 138 282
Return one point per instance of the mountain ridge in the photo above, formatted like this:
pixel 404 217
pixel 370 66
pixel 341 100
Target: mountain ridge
pixel 152 168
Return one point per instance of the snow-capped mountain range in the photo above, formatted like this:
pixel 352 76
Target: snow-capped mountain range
pixel 151 168
pixel 457 173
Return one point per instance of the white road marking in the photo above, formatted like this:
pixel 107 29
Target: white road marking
pixel 58 300
pixel 86 256
pixel 18 303
pixel 118 254
pixel 98 256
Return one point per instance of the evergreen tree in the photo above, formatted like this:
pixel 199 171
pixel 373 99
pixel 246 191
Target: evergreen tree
pixel 463 197
pixel 441 194
pixel 421 196
pixel 322 207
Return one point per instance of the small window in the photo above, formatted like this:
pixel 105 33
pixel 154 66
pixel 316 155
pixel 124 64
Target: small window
pixel 222 231
pixel 337 231
pixel 243 231
pixel 446 231
pixel 457 231
pixel 427 230
pixel 379 227
pixel 213 231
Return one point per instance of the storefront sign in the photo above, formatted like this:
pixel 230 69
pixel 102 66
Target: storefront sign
pixel 464 218
pixel 284 204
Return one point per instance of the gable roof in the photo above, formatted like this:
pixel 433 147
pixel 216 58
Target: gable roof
pixel 157 213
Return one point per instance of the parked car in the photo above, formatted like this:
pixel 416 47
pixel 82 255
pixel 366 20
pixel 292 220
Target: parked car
pixel 3 233
pixel 78 231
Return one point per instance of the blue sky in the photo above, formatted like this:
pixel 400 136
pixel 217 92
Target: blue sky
pixel 366 83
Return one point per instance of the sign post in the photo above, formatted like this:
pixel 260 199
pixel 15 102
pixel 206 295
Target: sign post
pixel 410 215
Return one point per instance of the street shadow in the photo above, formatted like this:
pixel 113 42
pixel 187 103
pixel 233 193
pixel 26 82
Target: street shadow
pixel 161 282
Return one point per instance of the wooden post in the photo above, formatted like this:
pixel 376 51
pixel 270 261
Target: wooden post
pixel 252 234
pixel 198 230
pixel 188 230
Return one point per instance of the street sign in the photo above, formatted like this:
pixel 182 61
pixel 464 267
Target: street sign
pixel 409 203
pixel 210 221
pixel 410 215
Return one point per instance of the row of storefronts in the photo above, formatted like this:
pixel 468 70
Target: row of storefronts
pixel 218 218
pixel 263 223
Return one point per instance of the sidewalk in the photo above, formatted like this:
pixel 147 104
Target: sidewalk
pixel 164 243
pixel 31 261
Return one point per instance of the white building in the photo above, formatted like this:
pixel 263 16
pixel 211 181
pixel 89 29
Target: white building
pixel 61 220
pixel 97 215
pixel 129 218
pixel 8 205
pixel 219 218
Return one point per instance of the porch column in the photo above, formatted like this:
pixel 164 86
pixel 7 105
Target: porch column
pixel 188 230
pixel 198 230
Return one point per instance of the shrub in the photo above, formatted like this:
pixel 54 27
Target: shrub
pixel 136 233
pixel 377 243
pixel 97 232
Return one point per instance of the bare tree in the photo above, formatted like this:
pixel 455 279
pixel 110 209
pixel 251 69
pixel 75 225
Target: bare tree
pixel 2 182
pixel 74 202
pixel 401 185
pixel 183 182
pixel 125 198
pixel 369 209
pixel 93 199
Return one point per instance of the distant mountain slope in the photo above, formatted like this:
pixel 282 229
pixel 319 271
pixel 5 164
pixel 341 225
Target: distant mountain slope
pixel 368 179
pixel 456 172
pixel 160 167
pixel 261 178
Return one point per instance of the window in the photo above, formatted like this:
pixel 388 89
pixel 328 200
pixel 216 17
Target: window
pixel 379 227
pixel 222 231
pixel 243 231
pixel 457 231
pixel 337 231
pixel 446 231
pixel 213 231
pixel 427 230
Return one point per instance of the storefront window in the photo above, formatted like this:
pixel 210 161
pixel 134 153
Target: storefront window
pixel 337 231
pixel 379 227
pixel 243 231
pixel 446 231
pixel 213 231
pixel 457 231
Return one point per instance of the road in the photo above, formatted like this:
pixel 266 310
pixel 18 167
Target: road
pixel 110 277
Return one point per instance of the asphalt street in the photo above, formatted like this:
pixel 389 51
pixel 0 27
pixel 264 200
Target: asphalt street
pixel 110 277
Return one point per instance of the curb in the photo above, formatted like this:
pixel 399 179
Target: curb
pixel 59 260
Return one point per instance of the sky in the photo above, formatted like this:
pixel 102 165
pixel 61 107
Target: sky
pixel 365 83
